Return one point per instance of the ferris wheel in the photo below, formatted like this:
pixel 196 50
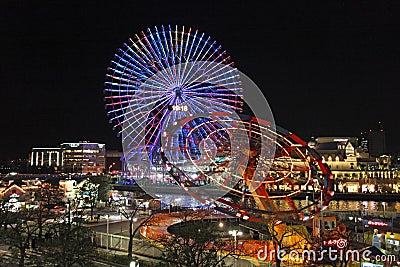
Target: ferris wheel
pixel 153 51
pixel 176 100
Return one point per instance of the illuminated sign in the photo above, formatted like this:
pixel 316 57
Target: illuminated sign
pixel 375 223
pixel 73 144
pixel 341 242
pixel 180 108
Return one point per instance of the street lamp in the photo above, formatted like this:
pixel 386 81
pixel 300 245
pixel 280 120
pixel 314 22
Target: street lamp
pixel 120 218
pixel 176 200
pixel 322 226
pixel 67 202
pixel 392 233
pixel 69 210
pixel 235 233
pixel 108 230
pixel 357 219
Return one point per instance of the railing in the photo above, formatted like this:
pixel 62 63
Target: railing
pixel 344 214
pixel 119 242
pixel 142 247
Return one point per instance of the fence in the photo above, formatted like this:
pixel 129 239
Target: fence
pixel 118 242
pixel 343 215
pixel 142 247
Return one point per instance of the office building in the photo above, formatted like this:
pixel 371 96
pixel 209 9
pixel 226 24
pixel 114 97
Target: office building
pixel 83 157
pixel 79 157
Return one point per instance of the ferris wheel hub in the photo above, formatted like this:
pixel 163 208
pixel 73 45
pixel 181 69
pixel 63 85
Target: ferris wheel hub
pixel 178 91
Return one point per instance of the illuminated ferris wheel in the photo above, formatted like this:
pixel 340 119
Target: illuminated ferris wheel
pixel 174 97
pixel 153 52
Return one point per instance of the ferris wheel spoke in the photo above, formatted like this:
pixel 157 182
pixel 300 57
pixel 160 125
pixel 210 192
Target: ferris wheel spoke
pixel 143 119
pixel 200 107
pixel 123 75
pixel 206 74
pixel 139 108
pixel 147 104
pixel 171 52
pixel 157 131
pixel 214 74
pixel 163 53
pixel 218 93
pixel 156 52
pixel 213 103
pixel 199 41
pixel 125 60
pixel 179 49
pixel 189 56
pixel 150 56
pixel 154 84
pixel 139 116
pixel 143 61
pixel 139 130
pixel 192 43
pixel 183 56
pixel 128 64
pixel 123 82
pixel 227 87
pixel 186 77
pixel 204 51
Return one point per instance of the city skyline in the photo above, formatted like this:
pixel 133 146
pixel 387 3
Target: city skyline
pixel 326 69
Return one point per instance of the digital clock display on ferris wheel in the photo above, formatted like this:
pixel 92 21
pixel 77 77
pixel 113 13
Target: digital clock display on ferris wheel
pixel 180 108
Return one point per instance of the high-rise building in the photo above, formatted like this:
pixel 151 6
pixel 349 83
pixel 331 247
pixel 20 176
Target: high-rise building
pixel 83 157
pixel 79 157
pixel 364 142
pixel 41 156
pixel 377 141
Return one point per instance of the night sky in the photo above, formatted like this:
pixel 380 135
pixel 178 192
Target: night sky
pixel 325 68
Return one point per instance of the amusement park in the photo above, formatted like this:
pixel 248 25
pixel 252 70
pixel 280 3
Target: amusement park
pixel 198 134
pixel 203 171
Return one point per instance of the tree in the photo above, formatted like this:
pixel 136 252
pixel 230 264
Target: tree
pixel 339 240
pixel 104 187
pixel 68 245
pixel 47 197
pixel 88 195
pixel 195 243
pixel 130 215
pixel 3 215
pixel 20 232
pixel 283 237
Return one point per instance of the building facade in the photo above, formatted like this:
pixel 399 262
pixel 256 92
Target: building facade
pixel 377 143
pixel 355 170
pixel 83 157
pixel 45 157
pixel 80 157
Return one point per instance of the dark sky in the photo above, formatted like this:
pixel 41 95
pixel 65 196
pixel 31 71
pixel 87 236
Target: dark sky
pixel 325 68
